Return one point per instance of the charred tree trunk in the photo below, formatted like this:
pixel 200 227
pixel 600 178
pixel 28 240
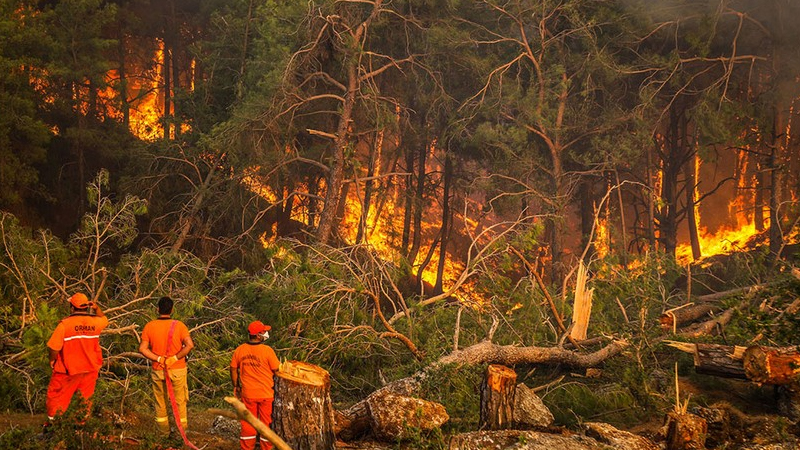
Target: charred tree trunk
pixel 123 84
pixel 497 398
pixel 446 219
pixel 776 178
pixel 313 190
pixel 409 203
pixel 303 412
pixel 651 204
pixel 368 187
pixel 333 188
pixel 419 199
pixel 166 75
pixel 623 232
pixel 176 68
pixel 586 198
pixel 691 202
pixel 758 215
pixel 673 157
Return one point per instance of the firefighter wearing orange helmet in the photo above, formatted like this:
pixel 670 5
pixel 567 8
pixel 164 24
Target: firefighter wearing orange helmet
pixel 252 367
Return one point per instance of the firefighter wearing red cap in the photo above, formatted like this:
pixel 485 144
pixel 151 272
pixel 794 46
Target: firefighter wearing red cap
pixel 166 342
pixel 75 355
pixel 252 367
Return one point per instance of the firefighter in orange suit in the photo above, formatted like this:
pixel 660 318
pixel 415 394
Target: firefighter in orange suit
pixel 166 342
pixel 252 367
pixel 75 355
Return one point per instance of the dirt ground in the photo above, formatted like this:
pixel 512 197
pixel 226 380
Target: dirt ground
pixel 749 410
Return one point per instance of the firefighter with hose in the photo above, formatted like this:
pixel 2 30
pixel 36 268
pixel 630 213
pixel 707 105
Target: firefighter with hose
pixel 166 342
pixel 252 368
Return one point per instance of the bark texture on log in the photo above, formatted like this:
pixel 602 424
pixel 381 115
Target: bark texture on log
pixel 687 314
pixel 714 359
pixel 719 360
pixel 709 327
pixel 529 410
pixel 523 440
pixel 686 431
pixel 616 438
pixel 303 412
pixel 392 415
pixel 497 398
pixel 767 365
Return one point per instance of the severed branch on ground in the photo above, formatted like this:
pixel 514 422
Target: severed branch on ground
pixel 243 414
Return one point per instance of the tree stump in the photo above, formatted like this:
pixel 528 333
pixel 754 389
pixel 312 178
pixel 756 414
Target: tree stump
pixel 686 431
pixel 302 413
pixel 497 398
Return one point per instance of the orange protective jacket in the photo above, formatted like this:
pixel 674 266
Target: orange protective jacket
pixel 77 341
pixel 157 331
pixel 256 364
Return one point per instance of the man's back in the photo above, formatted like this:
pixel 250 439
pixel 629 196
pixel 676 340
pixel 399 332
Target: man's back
pixel 256 363
pixel 77 339
pixel 157 331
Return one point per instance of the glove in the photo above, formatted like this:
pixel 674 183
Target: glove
pixel 170 361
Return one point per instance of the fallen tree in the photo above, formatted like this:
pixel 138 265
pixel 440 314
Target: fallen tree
pixel 354 421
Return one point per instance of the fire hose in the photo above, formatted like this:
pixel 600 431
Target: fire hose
pixel 171 392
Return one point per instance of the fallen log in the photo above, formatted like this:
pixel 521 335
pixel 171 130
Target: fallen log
pixel 484 352
pixel 708 327
pixel 302 412
pixel 497 398
pixel 778 366
pixel 392 416
pixel 714 359
pixel 676 317
pixel 746 290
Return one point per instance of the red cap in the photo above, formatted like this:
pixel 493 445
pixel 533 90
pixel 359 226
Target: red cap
pixel 257 327
pixel 80 301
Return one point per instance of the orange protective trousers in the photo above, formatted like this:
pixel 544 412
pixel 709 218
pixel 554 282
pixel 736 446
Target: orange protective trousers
pixel 262 409
pixel 63 386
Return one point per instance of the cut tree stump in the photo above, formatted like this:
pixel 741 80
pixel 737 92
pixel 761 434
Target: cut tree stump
pixel 303 413
pixel 769 365
pixel 686 431
pixel 497 398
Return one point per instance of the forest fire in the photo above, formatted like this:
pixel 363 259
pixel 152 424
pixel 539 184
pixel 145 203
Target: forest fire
pixel 147 107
